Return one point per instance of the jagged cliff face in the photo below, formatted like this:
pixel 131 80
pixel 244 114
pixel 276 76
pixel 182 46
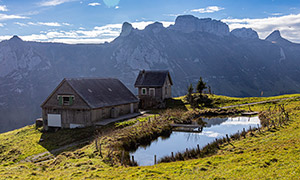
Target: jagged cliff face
pixel 245 33
pixel 235 63
pixel 189 23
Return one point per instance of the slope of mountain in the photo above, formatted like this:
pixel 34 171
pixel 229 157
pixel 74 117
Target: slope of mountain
pixel 233 63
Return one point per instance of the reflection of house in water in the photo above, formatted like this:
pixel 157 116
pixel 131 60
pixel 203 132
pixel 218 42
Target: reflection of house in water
pixel 214 121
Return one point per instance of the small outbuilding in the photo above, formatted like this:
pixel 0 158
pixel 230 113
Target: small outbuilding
pixel 85 101
pixel 153 88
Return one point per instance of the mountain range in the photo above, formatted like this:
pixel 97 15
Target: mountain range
pixel 235 63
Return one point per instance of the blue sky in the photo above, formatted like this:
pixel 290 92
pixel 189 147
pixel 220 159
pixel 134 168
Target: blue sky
pixel 96 21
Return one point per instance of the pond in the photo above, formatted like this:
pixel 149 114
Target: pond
pixel 179 141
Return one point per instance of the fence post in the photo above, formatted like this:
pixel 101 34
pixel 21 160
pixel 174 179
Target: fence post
pixel 172 154
pixel 122 158
pixel 96 144
pixel 100 150
pixel 154 159
pixel 228 140
pixel 132 159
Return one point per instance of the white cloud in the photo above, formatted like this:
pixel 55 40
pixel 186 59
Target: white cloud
pixel 20 24
pixel 209 9
pixel 54 24
pixel 5 37
pixel 117 7
pixel 8 17
pixel 98 34
pixel 54 2
pixel 66 24
pixel 94 4
pixel 51 24
pixel 288 25
pixel 3 8
pixel 276 14
pixel 1 25
pixel 172 15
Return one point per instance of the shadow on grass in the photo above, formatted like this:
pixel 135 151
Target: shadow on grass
pixel 175 104
pixel 61 140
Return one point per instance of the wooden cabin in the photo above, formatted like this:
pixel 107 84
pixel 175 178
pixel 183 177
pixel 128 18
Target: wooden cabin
pixel 153 88
pixel 85 101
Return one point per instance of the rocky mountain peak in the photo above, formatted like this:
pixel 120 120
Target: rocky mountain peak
pixel 245 33
pixel 189 23
pixel 274 36
pixel 15 38
pixel 155 27
pixel 126 29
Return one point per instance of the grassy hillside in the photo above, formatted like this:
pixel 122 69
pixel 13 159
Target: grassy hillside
pixel 269 154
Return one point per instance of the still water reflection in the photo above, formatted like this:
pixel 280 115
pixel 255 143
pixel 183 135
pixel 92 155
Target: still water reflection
pixel 179 141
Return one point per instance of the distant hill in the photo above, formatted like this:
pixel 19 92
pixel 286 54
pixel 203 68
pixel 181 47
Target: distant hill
pixel 235 63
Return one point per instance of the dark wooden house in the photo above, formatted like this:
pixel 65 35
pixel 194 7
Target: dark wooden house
pixel 82 102
pixel 153 88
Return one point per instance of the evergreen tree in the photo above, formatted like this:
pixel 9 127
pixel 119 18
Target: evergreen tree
pixel 189 95
pixel 201 85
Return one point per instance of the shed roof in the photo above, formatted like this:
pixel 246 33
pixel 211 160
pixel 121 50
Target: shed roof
pixel 102 92
pixel 152 78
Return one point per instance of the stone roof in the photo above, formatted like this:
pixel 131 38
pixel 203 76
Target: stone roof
pixel 152 78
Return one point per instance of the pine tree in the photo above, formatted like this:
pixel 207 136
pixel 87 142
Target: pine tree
pixel 201 85
pixel 189 96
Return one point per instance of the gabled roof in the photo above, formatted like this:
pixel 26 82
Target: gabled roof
pixel 101 92
pixel 152 78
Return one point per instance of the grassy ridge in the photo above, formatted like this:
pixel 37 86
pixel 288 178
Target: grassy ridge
pixel 273 154
pixel 221 101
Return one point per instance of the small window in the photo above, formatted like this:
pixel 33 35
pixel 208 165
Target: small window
pixel 152 92
pixel 144 91
pixel 65 100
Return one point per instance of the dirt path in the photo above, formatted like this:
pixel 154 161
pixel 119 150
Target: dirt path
pixel 51 154
pixel 260 102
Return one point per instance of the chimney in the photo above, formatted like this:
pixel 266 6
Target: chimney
pixel 143 73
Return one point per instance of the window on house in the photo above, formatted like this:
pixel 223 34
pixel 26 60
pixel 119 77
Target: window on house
pixel 65 100
pixel 144 91
pixel 152 92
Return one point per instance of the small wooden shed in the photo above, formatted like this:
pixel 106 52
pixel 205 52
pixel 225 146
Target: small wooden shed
pixel 153 87
pixel 85 101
